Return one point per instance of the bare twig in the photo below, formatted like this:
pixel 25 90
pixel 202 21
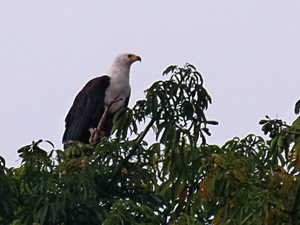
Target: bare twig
pixel 97 133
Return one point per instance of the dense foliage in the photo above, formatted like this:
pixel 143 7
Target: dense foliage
pixel 175 179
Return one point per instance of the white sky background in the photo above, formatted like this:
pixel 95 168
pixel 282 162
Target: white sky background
pixel 247 51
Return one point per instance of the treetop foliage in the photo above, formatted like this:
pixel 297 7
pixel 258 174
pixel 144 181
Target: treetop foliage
pixel 177 179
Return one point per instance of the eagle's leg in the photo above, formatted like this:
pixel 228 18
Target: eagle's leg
pixel 97 133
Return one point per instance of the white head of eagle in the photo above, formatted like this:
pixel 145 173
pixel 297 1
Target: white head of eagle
pixel 98 101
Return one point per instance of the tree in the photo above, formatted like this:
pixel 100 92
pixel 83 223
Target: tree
pixel 176 179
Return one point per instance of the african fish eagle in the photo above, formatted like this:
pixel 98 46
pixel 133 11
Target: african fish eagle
pixel 95 105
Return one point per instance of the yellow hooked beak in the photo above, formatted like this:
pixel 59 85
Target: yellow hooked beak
pixel 134 58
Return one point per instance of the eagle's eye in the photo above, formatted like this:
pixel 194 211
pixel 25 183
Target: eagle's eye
pixel 129 56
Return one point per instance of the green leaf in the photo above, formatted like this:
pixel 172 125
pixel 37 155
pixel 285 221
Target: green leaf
pixel 296 124
pixel 169 69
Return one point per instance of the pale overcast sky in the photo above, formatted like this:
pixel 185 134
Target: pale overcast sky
pixel 247 51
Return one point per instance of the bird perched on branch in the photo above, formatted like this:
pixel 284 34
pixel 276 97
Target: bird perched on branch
pixel 91 115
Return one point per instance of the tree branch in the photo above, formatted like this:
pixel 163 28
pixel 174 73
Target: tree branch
pixel 293 211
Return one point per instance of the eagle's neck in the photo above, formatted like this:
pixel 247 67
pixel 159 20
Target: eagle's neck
pixel 119 86
pixel 119 72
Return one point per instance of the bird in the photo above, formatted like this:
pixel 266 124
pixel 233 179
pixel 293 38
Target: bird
pixel 91 114
pixel 297 107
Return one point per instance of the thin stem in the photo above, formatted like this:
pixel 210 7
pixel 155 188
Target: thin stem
pixel 132 152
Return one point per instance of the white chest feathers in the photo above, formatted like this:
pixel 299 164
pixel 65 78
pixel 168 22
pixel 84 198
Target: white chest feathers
pixel 117 93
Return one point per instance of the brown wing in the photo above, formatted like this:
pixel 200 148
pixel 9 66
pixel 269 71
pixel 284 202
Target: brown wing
pixel 86 111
